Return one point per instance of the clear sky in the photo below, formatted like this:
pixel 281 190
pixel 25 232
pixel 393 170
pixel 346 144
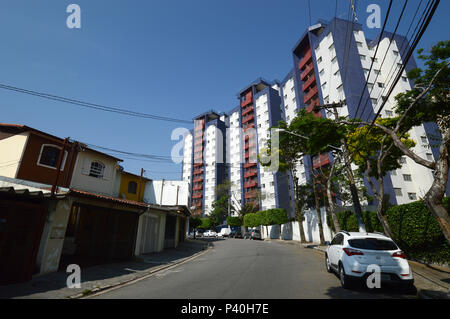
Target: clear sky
pixel 170 58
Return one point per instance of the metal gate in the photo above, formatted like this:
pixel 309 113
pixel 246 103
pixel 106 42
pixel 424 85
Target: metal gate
pixel 149 238
pixel 21 226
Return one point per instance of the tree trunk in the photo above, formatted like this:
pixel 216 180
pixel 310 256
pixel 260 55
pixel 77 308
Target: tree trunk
pixel 353 190
pixel 319 214
pixel 299 218
pixel 380 209
pixel 281 236
pixel 433 198
pixel 337 227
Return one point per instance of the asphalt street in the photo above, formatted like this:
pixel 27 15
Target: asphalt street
pixel 248 269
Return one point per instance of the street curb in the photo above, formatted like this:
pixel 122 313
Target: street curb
pixel 104 289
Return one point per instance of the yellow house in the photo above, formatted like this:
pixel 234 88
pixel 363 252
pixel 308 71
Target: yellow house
pixel 132 186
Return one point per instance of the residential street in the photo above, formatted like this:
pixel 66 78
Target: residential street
pixel 244 269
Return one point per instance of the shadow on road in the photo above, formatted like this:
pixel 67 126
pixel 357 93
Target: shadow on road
pixel 54 285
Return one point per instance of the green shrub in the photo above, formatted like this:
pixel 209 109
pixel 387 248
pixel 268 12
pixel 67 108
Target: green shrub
pixel 414 229
pixel 234 221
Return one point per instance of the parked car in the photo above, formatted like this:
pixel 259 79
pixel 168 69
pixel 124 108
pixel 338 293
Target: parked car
pixel 255 234
pixel 210 233
pixel 350 254
pixel 235 234
pixel 247 235
pixel 224 232
pixel 199 233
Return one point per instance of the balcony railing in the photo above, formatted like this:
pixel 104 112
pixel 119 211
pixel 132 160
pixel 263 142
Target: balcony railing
pixel 247 165
pixel 307 70
pixel 247 110
pixel 250 173
pixel 247 118
pixel 309 82
pixel 310 94
pixel 321 160
pixel 197 195
pixel 249 195
pixel 198 179
pixel 305 59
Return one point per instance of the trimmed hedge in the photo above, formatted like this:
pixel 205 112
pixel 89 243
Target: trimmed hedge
pixel 414 228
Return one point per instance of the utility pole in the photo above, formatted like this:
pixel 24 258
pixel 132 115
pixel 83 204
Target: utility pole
pixel 140 184
pixel 58 167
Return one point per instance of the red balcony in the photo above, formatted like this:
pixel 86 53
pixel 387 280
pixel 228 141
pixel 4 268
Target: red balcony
pixel 310 94
pixel 311 80
pixel 307 70
pixel 321 160
pixel 247 110
pixel 247 165
pixel 198 171
pixel 197 187
pixel 197 195
pixel 250 184
pixel 247 118
pixel 250 173
pixel 307 58
pixel 249 195
pixel 198 164
pixel 198 204
pixel 248 99
pixel 198 179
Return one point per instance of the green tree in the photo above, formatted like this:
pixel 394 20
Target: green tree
pixel 234 221
pixel 206 223
pixel 376 156
pixel 428 101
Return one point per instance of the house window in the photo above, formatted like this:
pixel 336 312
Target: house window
pixel 407 178
pixel 97 170
pixel 132 187
pixel 398 192
pixel 412 196
pixel 49 156
pixel 380 84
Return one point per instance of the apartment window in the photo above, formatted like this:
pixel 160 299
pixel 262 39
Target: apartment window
pixel 375 60
pixel 412 196
pixel 303 175
pixel 336 73
pixel 321 72
pixel 132 187
pixel 424 139
pixel 285 96
pixel 398 192
pixel 430 157
pixel 359 44
pixel 292 89
pixel 407 178
pixel 287 118
pixel 374 101
pixel 49 156
pixel 331 47
pixel 389 113
pixel 370 86
pixel 324 85
pixel 380 85
pixel 319 60
pixel 402 160
pixel 395 53
pixel 363 57
pixel 334 59
pixel 393 173
pixel 399 65
pixel 97 169
pixel 405 79
pixel 376 71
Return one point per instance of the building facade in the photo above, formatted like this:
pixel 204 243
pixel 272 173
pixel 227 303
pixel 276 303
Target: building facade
pixel 331 63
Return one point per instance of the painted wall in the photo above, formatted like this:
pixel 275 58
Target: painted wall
pixel 81 179
pixel 11 152
pixel 124 187
pixel 169 191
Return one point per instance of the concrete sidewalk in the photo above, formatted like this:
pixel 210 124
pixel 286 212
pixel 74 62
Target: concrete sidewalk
pixel 431 281
pixel 97 278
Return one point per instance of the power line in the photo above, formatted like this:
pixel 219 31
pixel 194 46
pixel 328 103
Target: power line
pixel 376 51
pixel 93 105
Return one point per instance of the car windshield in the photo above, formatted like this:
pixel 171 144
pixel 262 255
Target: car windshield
pixel 373 244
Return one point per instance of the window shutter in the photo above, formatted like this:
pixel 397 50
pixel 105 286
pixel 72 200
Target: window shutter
pixel 107 175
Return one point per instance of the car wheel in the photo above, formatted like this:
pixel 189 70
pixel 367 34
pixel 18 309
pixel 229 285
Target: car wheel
pixel 344 278
pixel 327 264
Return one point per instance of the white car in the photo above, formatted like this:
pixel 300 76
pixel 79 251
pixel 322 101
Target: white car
pixel 210 233
pixel 350 255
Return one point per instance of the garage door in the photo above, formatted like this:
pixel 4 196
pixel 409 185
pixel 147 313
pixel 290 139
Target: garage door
pixel 149 238
pixel 21 228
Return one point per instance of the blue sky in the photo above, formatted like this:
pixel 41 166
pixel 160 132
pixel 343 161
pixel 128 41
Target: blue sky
pixel 169 58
